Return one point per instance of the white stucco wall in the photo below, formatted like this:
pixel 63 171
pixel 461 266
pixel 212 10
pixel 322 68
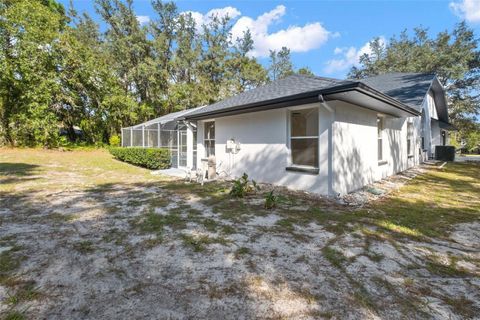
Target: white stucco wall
pixel 436 135
pixel 345 165
pixel 432 109
pixel 200 146
pixel 433 132
pixel 396 146
pixel 354 147
pixel 264 149
pixel 355 157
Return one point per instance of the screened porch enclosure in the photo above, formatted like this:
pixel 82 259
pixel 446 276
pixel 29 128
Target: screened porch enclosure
pixel 166 132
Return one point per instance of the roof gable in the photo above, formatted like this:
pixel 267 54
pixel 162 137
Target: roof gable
pixel 408 88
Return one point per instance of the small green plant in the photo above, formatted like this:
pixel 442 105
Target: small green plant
pixel 242 186
pixel 114 141
pixel 84 247
pixel 200 243
pixel 152 223
pixel 286 225
pixel 9 261
pixel 270 200
pixel 63 141
pixel 25 292
pixel 334 256
pixel 14 315
pixel 226 229
pixel 241 251
pixel 210 224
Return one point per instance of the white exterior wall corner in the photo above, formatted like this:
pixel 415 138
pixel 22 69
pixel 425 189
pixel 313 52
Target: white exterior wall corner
pixel 355 140
pixel 190 143
pixel 395 146
pixel 433 131
pixel 436 135
pixel 427 128
pixel 199 142
pixel 354 147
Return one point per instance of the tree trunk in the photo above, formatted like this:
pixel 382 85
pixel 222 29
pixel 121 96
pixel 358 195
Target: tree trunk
pixel 72 136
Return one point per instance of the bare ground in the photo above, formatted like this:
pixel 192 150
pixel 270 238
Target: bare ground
pixel 83 236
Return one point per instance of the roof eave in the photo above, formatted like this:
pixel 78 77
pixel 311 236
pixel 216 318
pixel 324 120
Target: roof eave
pixel 369 91
pixel 440 99
pixel 446 125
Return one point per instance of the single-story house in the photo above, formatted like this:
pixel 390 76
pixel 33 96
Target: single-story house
pixel 317 134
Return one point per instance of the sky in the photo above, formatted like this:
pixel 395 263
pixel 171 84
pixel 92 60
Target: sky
pixel 326 36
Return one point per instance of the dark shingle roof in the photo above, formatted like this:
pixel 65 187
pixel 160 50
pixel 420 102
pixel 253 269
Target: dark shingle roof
pixel 408 88
pixel 289 86
pixel 167 118
pixel 404 89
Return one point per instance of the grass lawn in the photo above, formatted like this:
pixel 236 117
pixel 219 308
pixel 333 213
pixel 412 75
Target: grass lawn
pixel 85 236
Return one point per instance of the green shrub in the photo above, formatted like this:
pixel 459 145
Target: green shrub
pixel 151 158
pixel 270 200
pixel 114 141
pixel 242 186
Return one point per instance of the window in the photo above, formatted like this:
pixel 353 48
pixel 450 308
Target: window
pixel 209 138
pixel 422 129
pixel 380 137
pixel 409 138
pixel 194 153
pixel 304 137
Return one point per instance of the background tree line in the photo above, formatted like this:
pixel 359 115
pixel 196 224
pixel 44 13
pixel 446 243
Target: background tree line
pixel 58 70
pixel 453 56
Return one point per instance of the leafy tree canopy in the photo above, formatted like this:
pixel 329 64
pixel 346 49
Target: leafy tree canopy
pixel 453 56
pixel 58 71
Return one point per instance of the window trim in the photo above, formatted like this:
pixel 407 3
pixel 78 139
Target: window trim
pixel 205 140
pixel 410 139
pixel 304 169
pixel 380 137
pixel 423 131
pixel 297 167
pixel 304 137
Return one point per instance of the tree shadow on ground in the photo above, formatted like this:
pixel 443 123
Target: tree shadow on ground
pixel 11 172
pixel 153 269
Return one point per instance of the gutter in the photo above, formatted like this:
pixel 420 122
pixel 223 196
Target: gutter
pixel 445 125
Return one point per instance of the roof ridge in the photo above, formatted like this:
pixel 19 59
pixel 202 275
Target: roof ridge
pixel 410 73
pixel 319 77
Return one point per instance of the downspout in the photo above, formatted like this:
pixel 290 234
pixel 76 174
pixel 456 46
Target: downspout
pixel 327 107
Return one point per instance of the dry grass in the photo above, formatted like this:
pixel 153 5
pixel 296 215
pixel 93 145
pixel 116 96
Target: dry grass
pixel 109 233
